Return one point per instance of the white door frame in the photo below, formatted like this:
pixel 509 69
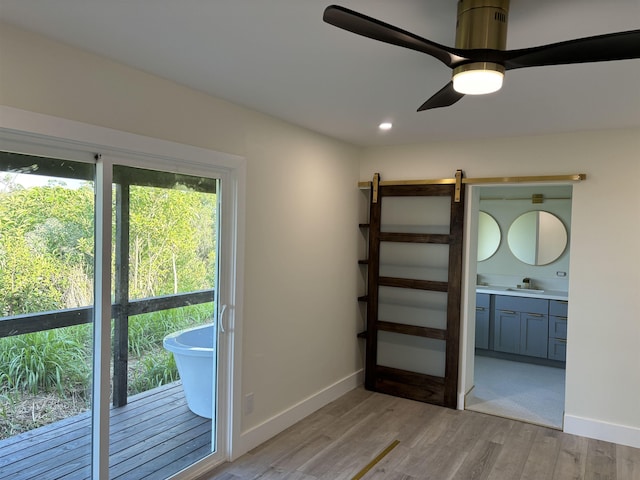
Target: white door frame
pixel 467 332
pixel 469 269
pixel 38 134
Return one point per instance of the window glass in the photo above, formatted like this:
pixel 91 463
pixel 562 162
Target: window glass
pixel 46 298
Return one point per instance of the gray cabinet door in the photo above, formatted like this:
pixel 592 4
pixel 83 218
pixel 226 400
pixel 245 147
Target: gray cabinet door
pixel 558 349
pixel 482 320
pixel 506 334
pixel 558 338
pixel 482 327
pixel 558 327
pixel 534 334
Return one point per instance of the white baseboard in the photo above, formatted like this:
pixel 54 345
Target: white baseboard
pixel 276 424
pixel 609 432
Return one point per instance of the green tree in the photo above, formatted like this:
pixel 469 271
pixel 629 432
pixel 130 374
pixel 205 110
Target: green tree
pixel 172 241
pixel 46 248
pixel 46 244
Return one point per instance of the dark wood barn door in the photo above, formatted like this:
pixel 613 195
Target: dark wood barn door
pixel 414 290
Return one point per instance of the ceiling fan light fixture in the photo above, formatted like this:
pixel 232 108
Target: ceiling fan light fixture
pixel 477 82
pixel 478 78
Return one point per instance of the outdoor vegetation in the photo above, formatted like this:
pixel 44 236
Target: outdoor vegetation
pixel 46 264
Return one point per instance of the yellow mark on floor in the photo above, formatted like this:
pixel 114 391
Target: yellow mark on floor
pixel 373 462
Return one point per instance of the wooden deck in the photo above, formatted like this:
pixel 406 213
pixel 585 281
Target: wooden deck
pixel 154 436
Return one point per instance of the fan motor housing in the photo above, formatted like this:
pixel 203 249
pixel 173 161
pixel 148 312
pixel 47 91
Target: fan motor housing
pixel 482 24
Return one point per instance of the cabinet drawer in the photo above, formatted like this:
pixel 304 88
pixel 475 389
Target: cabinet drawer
pixel 522 304
pixel 483 300
pixel 557 327
pixel 558 307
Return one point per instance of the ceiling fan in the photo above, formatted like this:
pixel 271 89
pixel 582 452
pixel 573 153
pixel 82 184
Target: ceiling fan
pixel 479 58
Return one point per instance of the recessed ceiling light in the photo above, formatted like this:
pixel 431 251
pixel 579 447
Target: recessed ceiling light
pixel 385 126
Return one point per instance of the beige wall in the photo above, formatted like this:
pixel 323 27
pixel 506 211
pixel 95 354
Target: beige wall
pixel 300 312
pixel 603 385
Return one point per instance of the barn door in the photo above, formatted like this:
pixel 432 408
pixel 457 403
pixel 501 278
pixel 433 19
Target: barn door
pixel 414 290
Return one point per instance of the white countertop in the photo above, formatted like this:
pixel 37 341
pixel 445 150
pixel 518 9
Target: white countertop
pixel 515 292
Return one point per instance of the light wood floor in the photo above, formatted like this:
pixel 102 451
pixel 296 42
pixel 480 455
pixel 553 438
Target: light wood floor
pixel 342 438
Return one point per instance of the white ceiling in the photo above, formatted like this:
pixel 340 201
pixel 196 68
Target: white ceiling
pixel 280 58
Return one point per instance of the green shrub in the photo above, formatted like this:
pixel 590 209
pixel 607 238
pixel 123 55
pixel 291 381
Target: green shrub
pixel 154 369
pixel 46 361
pixel 147 331
pixel 155 366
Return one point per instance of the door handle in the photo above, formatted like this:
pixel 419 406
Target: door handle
pixel 221 318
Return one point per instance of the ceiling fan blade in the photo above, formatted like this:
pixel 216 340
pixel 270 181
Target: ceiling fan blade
pixel 370 27
pixel 445 97
pixel 601 48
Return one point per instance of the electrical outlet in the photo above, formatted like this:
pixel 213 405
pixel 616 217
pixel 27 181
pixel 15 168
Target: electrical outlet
pixel 248 403
pixel 561 274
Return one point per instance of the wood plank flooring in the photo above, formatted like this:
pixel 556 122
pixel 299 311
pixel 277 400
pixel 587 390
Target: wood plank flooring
pixel 339 440
pixel 154 436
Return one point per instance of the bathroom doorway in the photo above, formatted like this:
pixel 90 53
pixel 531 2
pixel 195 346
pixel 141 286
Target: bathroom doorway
pixel 516 330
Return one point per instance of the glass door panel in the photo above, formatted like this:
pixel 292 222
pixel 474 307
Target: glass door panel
pixel 411 353
pixel 164 326
pixel 46 329
pixel 416 214
pixel 419 308
pixel 417 261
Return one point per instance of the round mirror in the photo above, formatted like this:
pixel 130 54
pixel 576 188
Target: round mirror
pixel 537 238
pixel 488 236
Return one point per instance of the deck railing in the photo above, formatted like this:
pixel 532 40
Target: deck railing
pixel 37 322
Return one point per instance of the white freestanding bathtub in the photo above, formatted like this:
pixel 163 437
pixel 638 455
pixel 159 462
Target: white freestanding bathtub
pixel 193 351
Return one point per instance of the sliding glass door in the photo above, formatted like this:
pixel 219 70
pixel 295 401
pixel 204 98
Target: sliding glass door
pixel 164 322
pixel 144 243
pixel 46 320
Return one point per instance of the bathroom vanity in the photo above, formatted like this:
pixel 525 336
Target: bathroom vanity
pixel 519 324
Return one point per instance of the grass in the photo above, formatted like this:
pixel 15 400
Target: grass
pixel 147 331
pixel 153 366
pixel 24 411
pixel 151 371
pixel 46 376
pixel 46 361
